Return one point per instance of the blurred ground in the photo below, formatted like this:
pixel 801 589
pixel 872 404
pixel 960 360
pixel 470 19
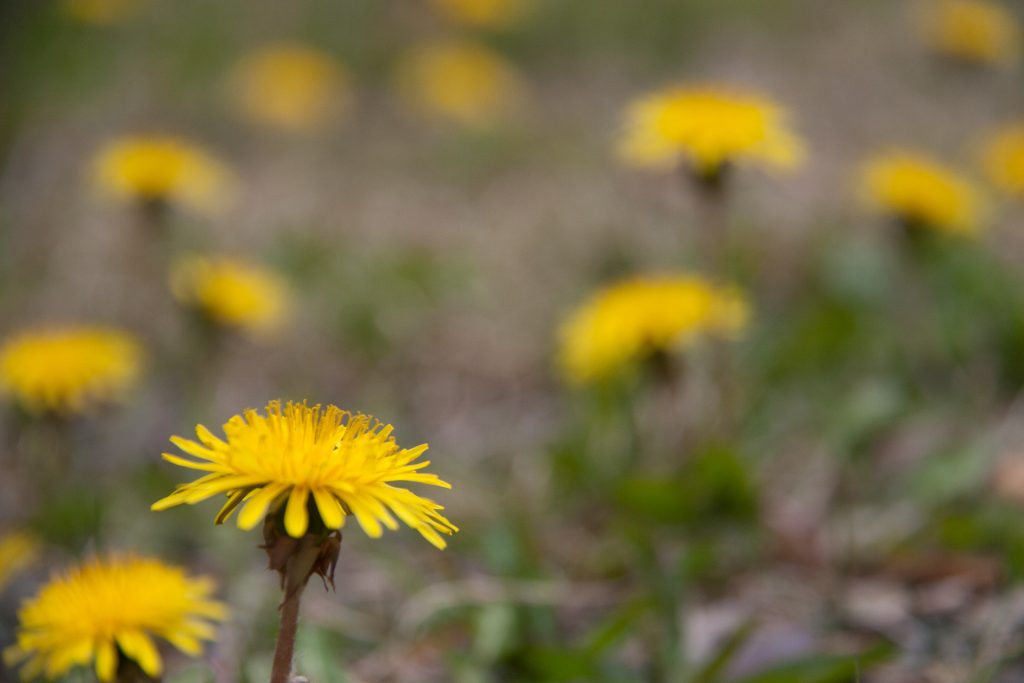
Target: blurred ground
pixel 432 265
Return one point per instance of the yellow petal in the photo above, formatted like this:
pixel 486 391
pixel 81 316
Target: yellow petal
pixel 106 661
pixel 330 509
pixel 257 506
pixel 296 518
pixel 138 647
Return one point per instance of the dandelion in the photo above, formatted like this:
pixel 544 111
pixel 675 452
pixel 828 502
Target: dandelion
pixel 344 463
pixel 159 170
pixel 486 13
pixel 68 370
pixel 231 293
pixel 100 12
pixel 303 471
pixel 921 192
pixel 974 31
pixel 107 612
pixel 708 128
pixel 291 87
pixel 641 317
pixel 17 552
pixel 462 82
pixel 1002 157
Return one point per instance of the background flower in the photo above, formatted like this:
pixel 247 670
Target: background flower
pixel 482 12
pixel 630 319
pixel 231 292
pixel 164 169
pixel 708 127
pixel 111 607
pixel 290 86
pixel 460 81
pixel 1003 158
pixel 920 190
pixel 980 31
pixel 69 370
pixel 17 551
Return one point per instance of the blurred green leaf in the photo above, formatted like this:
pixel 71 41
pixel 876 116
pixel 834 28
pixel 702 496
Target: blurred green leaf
pixel 824 668
pixel 712 671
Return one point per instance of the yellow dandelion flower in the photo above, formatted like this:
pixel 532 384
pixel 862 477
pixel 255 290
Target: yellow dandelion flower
pixel 17 551
pixel 292 87
pixel 978 31
pixel 487 13
pixel 1002 157
pixel 162 169
pixel 231 292
pixel 921 191
pixel 111 607
pixel 100 12
pixel 631 319
pixel 67 370
pixel 462 82
pixel 344 463
pixel 708 127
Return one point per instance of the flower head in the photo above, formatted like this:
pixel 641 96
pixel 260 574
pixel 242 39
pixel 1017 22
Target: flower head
pixel 482 12
pixel 978 31
pixel 292 87
pixel 17 551
pixel 708 127
pixel 462 82
pixel 67 370
pixel 641 316
pixel 230 292
pixel 162 169
pixel 1003 158
pixel 109 607
pixel 100 12
pixel 295 457
pixel 920 191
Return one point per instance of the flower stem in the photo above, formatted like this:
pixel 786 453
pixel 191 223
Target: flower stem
pixel 285 650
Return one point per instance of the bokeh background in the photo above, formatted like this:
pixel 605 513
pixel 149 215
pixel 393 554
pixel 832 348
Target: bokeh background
pixel 861 521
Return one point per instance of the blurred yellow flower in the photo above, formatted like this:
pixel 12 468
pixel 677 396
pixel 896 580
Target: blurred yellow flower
pixel 67 370
pixel 979 31
pixel 463 82
pixel 295 456
pixel 482 12
pixel 112 607
pixel 100 12
pixel 920 191
pixel 17 551
pixel 708 127
pixel 162 169
pixel 292 87
pixel 231 292
pixel 632 319
pixel 1003 158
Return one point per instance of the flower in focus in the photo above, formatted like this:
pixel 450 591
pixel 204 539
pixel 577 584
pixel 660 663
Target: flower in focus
pixel 978 31
pixel 100 12
pixel 292 87
pixel 482 12
pixel 113 607
pixel 230 292
pixel 708 127
pixel 920 191
pixel 296 456
pixel 463 82
pixel 67 370
pixel 17 551
pixel 162 169
pixel 1002 157
pixel 642 316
